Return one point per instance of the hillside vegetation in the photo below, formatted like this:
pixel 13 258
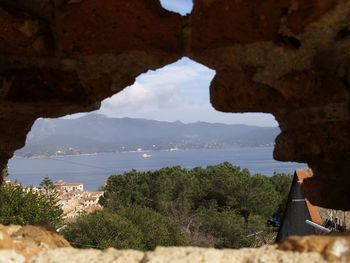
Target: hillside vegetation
pixel 219 206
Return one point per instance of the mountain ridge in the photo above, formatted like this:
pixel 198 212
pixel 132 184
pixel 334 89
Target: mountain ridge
pixel 96 133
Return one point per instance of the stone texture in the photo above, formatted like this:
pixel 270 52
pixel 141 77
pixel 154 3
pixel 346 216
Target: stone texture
pixel 122 26
pixel 290 58
pixel 292 63
pixel 267 254
pixel 20 244
pixel 240 22
pixel 36 244
pixel 89 256
pixel 304 12
pixel 97 50
pixel 333 248
pixel 22 35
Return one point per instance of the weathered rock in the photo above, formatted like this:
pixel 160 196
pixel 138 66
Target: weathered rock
pixel 116 26
pixel 89 255
pixel 91 62
pixel 22 35
pixel 304 12
pixel 290 58
pixel 178 255
pixel 333 248
pixel 20 244
pixel 35 244
pixel 240 22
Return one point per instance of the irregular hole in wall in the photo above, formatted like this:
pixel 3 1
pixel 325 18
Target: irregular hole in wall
pixel 182 7
pixel 177 93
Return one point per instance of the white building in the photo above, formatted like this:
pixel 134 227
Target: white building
pixel 60 185
pixel 90 201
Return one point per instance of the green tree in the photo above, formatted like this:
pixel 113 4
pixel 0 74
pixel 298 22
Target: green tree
pixel 257 196
pixel 160 190
pixel 103 229
pixel 227 227
pixel 22 206
pixel 46 183
pixel 5 173
pixel 208 205
pixel 157 230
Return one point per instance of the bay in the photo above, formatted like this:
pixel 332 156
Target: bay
pixel 93 170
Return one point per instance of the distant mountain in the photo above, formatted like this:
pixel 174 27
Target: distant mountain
pixel 95 133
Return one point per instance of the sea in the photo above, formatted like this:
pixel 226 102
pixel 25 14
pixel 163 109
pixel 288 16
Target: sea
pixel 93 170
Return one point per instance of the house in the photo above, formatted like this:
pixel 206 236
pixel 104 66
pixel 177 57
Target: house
pixel 9 182
pixel 60 185
pixel 90 201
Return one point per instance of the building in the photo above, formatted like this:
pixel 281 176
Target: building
pixel 75 201
pixel 90 201
pixel 60 185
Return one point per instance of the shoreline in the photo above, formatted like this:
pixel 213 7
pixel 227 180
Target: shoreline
pixel 134 151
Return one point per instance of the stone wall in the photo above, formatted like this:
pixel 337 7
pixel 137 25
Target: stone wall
pixel 285 57
pixel 35 244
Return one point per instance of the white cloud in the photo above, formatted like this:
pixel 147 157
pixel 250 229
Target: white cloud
pixel 173 86
pixel 138 96
pixel 184 71
pixel 176 92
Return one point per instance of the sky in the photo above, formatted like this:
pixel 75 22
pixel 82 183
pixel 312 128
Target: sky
pixel 181 6
pixel 176 92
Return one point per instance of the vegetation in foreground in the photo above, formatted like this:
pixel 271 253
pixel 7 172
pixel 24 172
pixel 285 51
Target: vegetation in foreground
pixel 219 206
pixel 24 206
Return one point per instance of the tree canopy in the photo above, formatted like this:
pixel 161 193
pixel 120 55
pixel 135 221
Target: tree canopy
pixel 136 227
pixel 22 206
pixel 102 230
pixel 46 183
pixel 4 173
pixel 219 206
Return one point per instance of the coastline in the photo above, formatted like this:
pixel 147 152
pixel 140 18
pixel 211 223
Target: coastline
pixel 136 151
pixel 93 170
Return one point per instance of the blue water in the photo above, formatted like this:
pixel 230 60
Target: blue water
pixel 93 170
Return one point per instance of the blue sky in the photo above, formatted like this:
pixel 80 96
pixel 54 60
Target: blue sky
pixel 179 91
pixel 181 6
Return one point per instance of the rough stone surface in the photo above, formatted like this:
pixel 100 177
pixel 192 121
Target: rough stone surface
pixel 122 26
pixel 20 244
pixel 22 35
pixel 333 248
pixel 36 244
pixel 289 57
pixel 178 254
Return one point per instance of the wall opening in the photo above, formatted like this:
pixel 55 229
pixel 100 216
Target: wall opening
pixel 177 93
pixel 165 120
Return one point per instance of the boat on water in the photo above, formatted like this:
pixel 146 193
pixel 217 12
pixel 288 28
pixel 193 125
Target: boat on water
pixel 145 155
